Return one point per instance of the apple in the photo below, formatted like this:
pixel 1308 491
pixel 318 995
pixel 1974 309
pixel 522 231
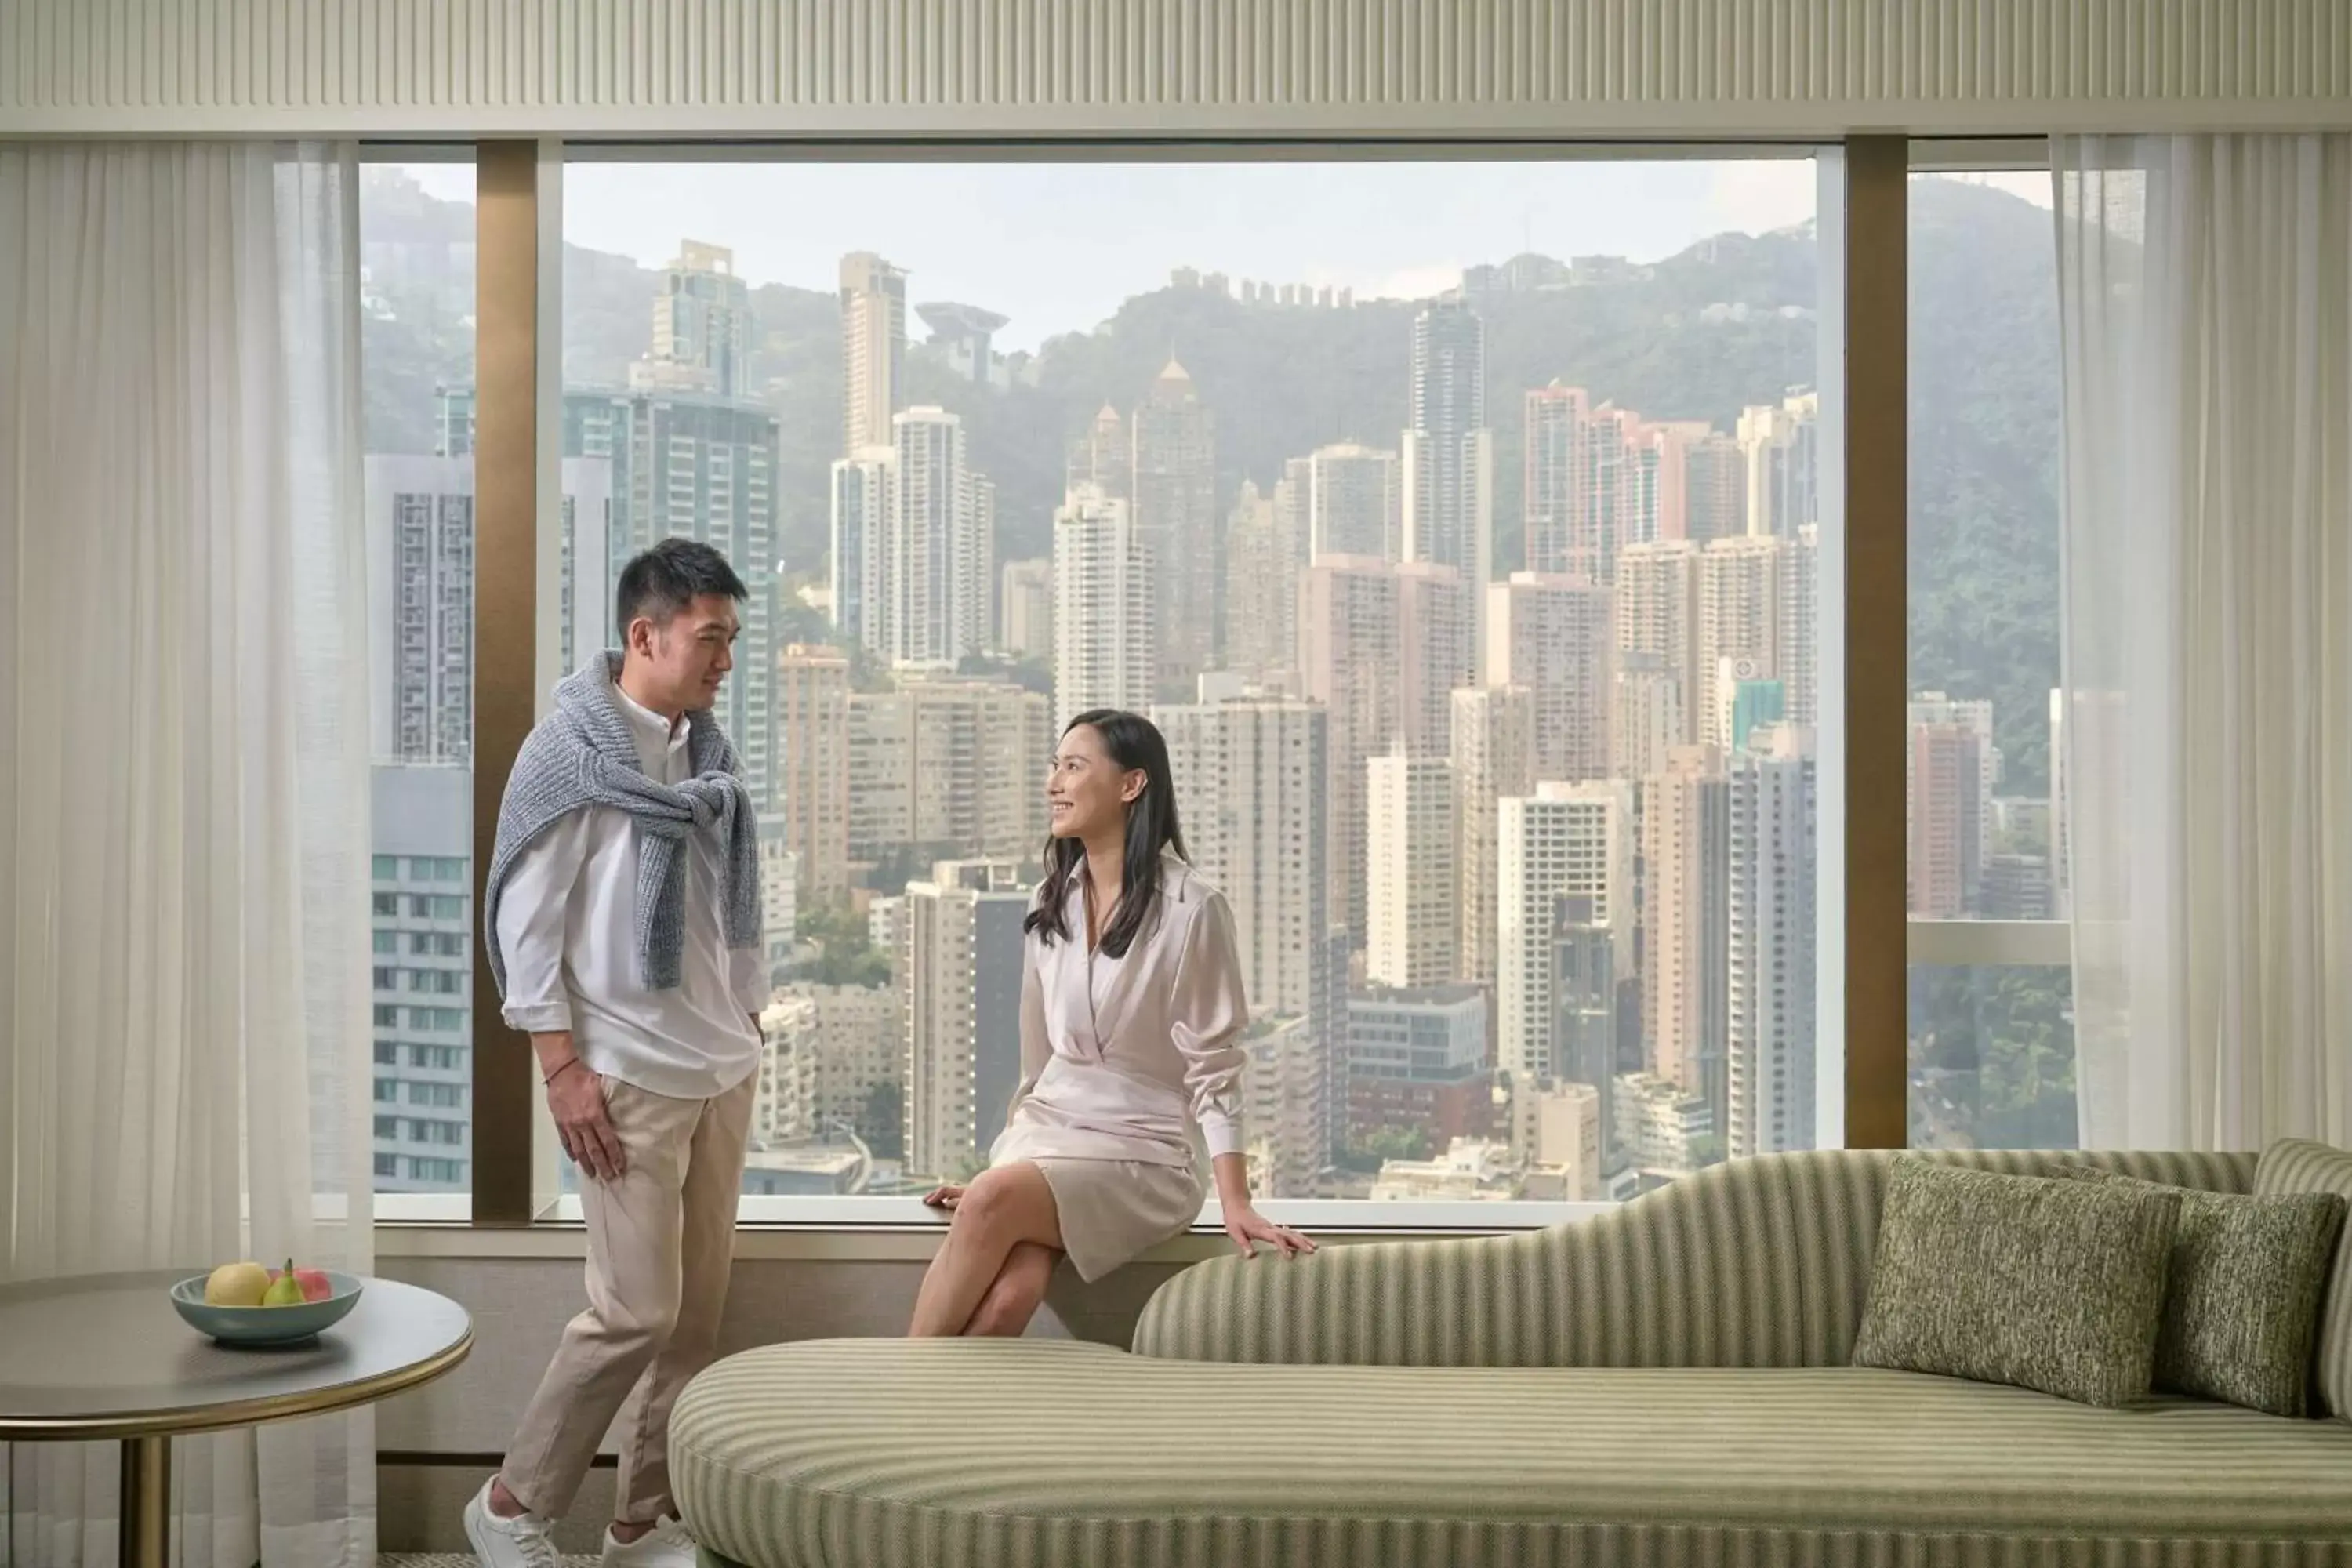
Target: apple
pixel 313 1282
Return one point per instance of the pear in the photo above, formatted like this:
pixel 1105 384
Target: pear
pixel 285 1290
pixel 236 1285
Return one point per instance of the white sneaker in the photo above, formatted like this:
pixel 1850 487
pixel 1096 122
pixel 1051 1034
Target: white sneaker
pixel 526 1541
pixel 666 1546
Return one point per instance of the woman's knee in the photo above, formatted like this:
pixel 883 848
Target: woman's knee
pixel 994 1201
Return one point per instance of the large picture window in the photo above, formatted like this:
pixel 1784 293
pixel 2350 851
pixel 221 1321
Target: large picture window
pixel 1991 1015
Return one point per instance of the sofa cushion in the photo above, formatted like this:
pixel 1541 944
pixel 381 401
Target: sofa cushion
pixel 1051 1454
pixel 2047 1284
pixel 2242 1294
pixel 2298 1165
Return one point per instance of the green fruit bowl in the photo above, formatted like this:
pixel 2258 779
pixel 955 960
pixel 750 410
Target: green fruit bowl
pixel 264 1325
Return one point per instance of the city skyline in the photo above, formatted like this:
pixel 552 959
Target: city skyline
pixel 1574 806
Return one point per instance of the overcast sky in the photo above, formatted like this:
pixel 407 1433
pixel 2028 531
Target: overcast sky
pixel 1058 246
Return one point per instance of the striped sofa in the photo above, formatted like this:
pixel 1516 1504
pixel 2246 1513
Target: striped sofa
pixel 1661 1387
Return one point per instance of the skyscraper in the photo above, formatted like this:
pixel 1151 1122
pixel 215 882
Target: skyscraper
pixel 944 761
pixel 1436 622
pixel 1355 502
pixel 1261 566
pixel 963 1012
pixel 1175 479
pixel 1646 716
pixel 418 515
pixel 1494 758
pixel 1449 452
pixel 1946 819
pixel 873 348
pixel 1415 931
pixel 939 558
pixel 1754 624
pixel 1562 533
pixel 1025 628
pixel 1657 616
pixel 1714 488
pixel 422 892
pixel 1104 458
pixel 1554 636
pixel 1564 839
pixel 1585 982
pixel 1350 646
pixel 1773 919
pixel 812 741
pixel 1780 443
pixel 1103 610
pixel 1687 856
pixel 1252 775
pixel 861 491
pixel 703 326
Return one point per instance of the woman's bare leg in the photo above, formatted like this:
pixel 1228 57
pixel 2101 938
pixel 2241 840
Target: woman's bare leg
pixel 1018 1291
pixel 1003 1207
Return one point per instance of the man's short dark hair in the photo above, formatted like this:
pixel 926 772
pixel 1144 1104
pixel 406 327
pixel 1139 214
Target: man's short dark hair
pixel 664 580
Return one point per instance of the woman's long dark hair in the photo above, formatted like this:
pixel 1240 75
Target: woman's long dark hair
pixel 1136 745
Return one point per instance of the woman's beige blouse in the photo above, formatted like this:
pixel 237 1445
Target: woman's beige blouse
pixel 1121 1058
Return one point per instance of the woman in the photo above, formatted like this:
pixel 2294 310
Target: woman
pixel 1131 1017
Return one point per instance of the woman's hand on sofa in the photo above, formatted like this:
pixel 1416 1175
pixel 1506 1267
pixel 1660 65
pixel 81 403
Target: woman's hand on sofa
pixel 1248 1228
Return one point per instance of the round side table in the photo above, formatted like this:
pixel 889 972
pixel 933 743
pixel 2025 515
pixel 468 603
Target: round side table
pixel 103 1357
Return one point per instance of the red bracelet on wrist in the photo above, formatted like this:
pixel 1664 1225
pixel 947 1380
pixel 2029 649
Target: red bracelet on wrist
pixel 559 1072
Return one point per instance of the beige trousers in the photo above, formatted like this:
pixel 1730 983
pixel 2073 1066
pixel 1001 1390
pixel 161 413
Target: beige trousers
pixel 661 1241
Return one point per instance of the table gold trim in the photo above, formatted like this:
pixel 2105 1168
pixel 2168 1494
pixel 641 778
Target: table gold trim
pixel 238 1413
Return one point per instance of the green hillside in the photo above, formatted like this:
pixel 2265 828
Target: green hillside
pixel 1284 381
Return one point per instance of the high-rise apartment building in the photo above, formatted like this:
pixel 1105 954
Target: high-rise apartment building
pixel 1494 758
pixel 703 326
pixel 1645 715
pixel 419 519
pixel 1656 611
pixel 813 740
pixel 1104 641
pixel 1564 839
pixel 1781 444
pixel 1773 919
pixel 1252 772
pixel 963 1012
pixel 1355 502
pixel 1714 488
pixel 1416 1062
pixel 1585 983
pixel 831 1054
pixel 1685 854
pixel 1757 597
pixel 1449 452
pixel 1555 637
pixel 1946 819
pixel 421 892
pixel 1263 560
pixel 1176 515
pixel 1024 628
pixel 1382 645
pixel 1414 935
pixel 939 567
pixel 1102 459
pixel 945 761
pixel 860 494
pixel 873 349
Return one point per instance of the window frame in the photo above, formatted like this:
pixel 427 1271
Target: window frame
pixel 518 518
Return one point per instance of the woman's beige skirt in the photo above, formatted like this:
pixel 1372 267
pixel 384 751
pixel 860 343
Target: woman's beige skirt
pixel 1111 1210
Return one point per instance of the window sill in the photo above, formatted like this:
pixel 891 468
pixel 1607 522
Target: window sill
pixel 903 1230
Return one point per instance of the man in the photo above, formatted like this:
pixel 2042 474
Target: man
pixel 623 915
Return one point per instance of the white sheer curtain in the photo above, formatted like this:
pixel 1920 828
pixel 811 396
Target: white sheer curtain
pixel 183 822
pixel 2206 722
